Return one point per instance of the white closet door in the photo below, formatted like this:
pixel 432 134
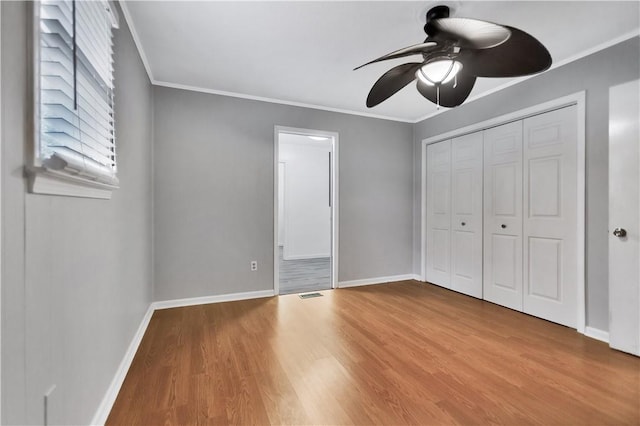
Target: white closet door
pixel 439 214
pixel 502 282
pixel 549 228
pixel 466 214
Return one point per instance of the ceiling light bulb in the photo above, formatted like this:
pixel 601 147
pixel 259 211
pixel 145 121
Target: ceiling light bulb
pixel 319 138
pixel 438 72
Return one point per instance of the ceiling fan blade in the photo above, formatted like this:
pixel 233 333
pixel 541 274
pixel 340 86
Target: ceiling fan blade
pixel 521 55
pixel 416 49
pixel 468 33
pixel 450 96
pixel 391 82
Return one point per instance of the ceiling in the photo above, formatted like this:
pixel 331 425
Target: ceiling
pixel 304 52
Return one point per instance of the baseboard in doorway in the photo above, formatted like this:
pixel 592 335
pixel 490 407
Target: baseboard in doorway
pixel 307 256
pixel 378 280
pixel 114 388
pixel 597 334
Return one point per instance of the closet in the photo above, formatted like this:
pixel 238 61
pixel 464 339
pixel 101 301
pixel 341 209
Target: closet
pixel 501 208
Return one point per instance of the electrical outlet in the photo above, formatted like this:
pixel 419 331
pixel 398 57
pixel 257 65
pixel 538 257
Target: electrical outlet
pixel 254 265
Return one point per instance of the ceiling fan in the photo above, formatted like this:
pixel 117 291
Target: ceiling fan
pixel 456 52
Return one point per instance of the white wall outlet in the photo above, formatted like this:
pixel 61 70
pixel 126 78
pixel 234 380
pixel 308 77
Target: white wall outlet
pixel 254 265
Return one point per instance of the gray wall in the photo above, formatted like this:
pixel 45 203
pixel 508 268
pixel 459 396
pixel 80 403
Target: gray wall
pixel 595 74
pixel 76 272
pixel 214 192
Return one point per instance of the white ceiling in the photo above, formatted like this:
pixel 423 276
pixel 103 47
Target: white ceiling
pixel 303 52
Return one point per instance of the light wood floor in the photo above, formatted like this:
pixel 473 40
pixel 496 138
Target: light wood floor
pixel 405 353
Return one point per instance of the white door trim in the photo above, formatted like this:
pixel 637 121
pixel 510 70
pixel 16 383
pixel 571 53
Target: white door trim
pixel 1 221
pixel 577 99
pixel 334 199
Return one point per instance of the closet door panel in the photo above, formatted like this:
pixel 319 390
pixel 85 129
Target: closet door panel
pixel 503 261
pixel 550 200
pixel 438 270
pixel 466 214
pixel 502 283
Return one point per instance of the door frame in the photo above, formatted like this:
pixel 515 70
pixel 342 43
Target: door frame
pixel 284 176
pixel 334 136
pixel 1 221
pixel 578 99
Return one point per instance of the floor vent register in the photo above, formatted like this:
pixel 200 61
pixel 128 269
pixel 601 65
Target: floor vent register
pixel 310 295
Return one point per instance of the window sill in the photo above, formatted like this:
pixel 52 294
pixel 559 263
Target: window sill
pixel 50 182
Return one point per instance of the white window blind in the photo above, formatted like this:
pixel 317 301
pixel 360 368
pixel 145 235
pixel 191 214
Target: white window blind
pixel 76 133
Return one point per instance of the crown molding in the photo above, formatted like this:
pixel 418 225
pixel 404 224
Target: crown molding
pixel 136 39
pixel 513 82
pixel 277 101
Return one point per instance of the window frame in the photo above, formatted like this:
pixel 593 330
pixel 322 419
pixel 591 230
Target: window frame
pixel 44 180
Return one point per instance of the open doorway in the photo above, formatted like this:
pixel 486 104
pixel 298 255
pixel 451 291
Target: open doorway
pixel 305 220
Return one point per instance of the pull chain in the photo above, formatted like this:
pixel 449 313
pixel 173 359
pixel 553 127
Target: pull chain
pixel 438 97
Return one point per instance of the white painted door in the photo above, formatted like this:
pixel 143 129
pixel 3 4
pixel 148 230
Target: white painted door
pixel 549 226
pixel 502 282
pixel 466 214
pixel 438 269
pixel 624 213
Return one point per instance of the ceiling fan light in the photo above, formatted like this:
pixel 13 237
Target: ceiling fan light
pixel 438 72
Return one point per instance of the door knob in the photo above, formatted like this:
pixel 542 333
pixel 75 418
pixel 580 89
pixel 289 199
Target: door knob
pixel 620 232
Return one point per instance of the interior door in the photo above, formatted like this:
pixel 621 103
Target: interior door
pixel 624 218
pixel 438 270
pixel 549 226
pixel 466 214
pixel 502 270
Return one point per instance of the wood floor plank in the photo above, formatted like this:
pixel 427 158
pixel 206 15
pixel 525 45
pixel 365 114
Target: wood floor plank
pixel 403 353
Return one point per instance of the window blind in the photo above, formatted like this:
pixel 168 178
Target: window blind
pixel 77 132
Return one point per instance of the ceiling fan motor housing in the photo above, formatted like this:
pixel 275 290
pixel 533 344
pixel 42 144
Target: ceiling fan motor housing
pixel 437 12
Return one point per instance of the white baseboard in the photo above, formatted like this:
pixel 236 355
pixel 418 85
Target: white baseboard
pixel 377 280
pixel 597 334
pixel 176 303
pixel 307 256
pixel 114 388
